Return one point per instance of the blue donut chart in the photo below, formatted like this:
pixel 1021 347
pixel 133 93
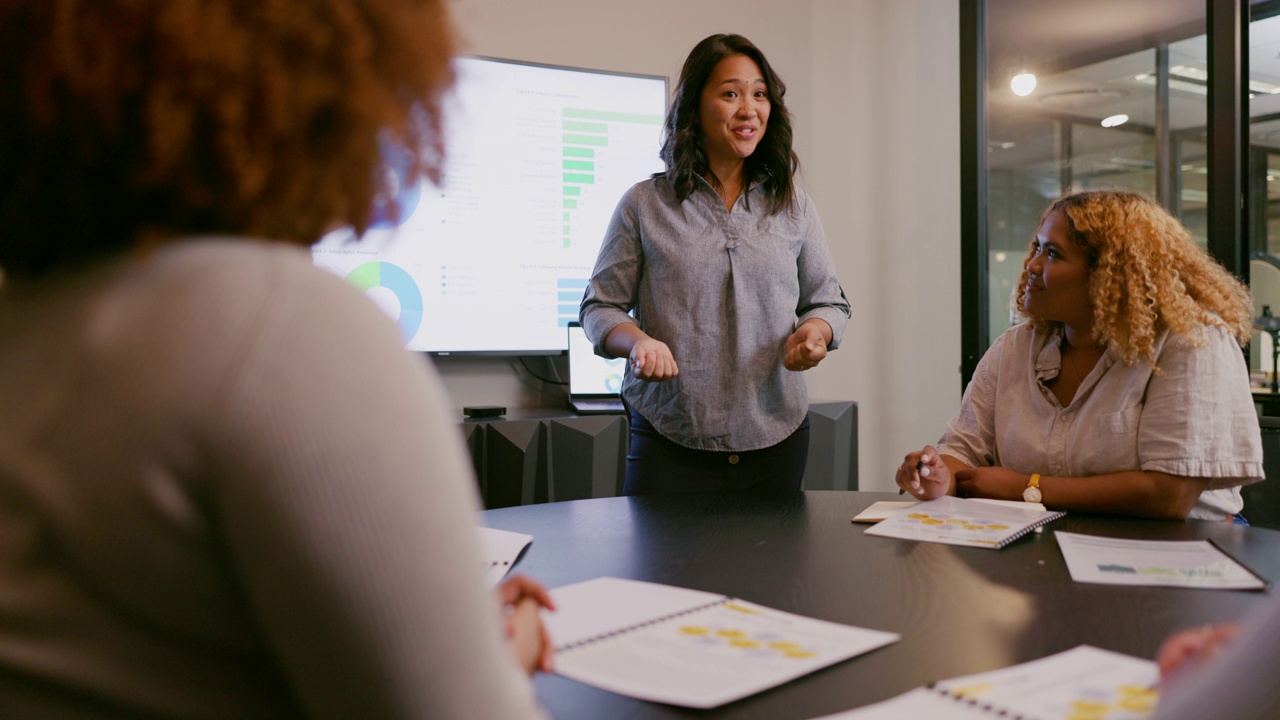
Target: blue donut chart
pixel 394 278
pixel 392 212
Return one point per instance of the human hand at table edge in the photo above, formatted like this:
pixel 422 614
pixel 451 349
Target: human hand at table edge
pixel 1188 649
pixel 522 600
pixel 807 346
pixel 926 475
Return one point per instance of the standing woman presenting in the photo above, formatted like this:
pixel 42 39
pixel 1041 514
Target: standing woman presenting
pixel 725 265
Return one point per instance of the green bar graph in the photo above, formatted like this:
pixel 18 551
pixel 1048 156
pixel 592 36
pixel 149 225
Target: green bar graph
pixel 607 115
pixel 597 140
pixel 570 205
pixel 566 229
pixel 579 165
pixel 566 242
pixel 566 217
pixel 572 190
pixel 591 127
pixel 579 178
pixel 579 152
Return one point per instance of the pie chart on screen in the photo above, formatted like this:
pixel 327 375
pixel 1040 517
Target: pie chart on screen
pixel 403 191
pixel 394 278
pixel 613 381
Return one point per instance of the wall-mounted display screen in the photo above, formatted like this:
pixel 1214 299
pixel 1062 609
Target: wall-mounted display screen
pixel 495 260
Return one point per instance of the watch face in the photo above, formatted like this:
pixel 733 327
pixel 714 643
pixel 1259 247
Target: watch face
pixel 1031 494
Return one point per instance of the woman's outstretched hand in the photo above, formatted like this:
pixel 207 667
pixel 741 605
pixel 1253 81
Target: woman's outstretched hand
pixel 807 346
pixel 651 360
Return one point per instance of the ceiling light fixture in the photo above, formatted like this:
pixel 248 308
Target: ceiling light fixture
pixel 1023 83
pixel 1115 120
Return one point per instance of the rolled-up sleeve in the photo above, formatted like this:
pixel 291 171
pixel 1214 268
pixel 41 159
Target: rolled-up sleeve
pixel 820 293
pixel 615 281
pixel 971 434
pixel 1198 418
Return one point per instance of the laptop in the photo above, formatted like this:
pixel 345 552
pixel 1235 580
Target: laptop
pixel 595 384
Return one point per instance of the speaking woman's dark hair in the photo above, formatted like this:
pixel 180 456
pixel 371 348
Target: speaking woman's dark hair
pixel 772 165
pixel 135 119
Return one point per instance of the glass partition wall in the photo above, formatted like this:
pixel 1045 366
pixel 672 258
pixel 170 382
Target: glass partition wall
pixel 1264 127
pixel 1104 112
pixel 1264 174
pixel 1126 94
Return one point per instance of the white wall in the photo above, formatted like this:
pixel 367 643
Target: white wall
pixel 872 87
pixel 887 182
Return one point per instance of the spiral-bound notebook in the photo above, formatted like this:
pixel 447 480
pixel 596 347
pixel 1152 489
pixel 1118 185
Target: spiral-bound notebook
pixel 1083 682
pixel 688 647
pixel 957 521
pixel 501 549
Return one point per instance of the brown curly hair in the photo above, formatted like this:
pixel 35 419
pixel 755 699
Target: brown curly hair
pixel 1147 275
pixel 128 118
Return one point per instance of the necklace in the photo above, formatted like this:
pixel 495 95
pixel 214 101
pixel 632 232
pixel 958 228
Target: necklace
pixel 729 196
pixel 1075 361
pixel 728 187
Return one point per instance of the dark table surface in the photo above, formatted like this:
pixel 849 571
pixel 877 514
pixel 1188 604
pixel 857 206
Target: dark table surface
pixel 959 610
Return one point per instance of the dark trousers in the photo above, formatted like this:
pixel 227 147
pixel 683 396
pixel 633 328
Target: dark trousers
pixel 656 465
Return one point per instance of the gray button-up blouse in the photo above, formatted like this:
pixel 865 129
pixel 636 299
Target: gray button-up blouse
pixel 723 289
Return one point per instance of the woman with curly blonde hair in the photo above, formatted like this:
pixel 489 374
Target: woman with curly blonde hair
pixel 226 491
pixel 1125 390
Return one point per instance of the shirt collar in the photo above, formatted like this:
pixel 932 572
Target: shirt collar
pixel 1047 344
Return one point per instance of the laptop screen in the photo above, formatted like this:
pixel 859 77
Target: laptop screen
pixel 590 374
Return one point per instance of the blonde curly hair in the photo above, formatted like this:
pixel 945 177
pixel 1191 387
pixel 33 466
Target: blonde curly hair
pixel 1147 275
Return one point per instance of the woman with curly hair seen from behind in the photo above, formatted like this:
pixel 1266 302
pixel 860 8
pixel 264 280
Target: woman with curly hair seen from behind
pixel 1124 392
pixel 226 491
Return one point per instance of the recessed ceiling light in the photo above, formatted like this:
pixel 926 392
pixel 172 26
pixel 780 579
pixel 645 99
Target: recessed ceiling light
pixel 1190 73
pixel 1115 120
pixel 1266 88
pixel 1023 84
pixel 1081 98
pixel 1183 83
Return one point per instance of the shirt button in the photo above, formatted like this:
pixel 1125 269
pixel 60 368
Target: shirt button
pixel 733 459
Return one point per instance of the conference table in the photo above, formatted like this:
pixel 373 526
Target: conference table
pixel 959 610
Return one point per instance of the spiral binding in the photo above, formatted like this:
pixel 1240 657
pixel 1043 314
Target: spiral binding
pixel 1038 523
pixel 640 625
pixel 985 707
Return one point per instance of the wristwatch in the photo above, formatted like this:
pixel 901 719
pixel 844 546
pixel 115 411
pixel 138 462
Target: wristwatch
pixel 1032 492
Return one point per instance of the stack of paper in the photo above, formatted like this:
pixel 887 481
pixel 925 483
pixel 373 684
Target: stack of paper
pixel 1162 563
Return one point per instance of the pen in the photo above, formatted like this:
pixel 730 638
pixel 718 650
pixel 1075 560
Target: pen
pixel 920 468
